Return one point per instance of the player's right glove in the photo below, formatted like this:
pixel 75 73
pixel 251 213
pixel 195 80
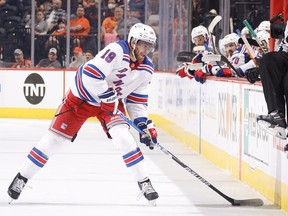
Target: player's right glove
pixel 183 71
pixel 109 101
pixel 252 75
pixel 149 138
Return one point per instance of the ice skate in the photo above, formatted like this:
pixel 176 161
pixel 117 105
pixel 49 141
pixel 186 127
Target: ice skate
pixel 274 123
pixel 17 186
pixel 148 191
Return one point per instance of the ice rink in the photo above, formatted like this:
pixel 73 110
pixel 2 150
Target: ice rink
pixel 88 177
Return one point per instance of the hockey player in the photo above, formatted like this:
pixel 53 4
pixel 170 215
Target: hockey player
pixel 236 52
pixel 120 73
pixel 264 37
pixel 264 26
pixel 199 37
pixel 230 42
pixel 248 68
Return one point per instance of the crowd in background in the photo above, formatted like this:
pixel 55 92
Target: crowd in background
pixel 51 29
pixel 95 23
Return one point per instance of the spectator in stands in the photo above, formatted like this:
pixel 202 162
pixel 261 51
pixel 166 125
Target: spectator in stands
pixel 91 13
pixel 41 25
pixel 79 27
pixel 20 62
pixel 54 14
pixel 45 6
pixel 2 3
pixel 78 57
pixel 108 6
pixel 139 7
pixel 132 19
pixel 88 55
pixel 51 61
pixel 109 25
pixel 88 3
pixel 57 39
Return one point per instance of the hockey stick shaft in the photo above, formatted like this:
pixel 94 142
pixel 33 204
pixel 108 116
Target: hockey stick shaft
pixel 247 24
pixel 247 202
pixel 247 45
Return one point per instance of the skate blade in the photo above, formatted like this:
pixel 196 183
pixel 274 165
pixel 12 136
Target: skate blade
pixel 275 131
pixel 152 203
pixel 11 201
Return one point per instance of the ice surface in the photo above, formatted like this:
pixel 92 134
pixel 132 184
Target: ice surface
pixel 88 177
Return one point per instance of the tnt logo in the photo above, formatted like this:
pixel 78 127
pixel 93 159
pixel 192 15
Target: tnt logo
pixel 34 88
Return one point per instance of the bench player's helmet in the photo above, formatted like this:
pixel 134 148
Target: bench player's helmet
pixel 199 30
pixel 230 38
pixel 264 26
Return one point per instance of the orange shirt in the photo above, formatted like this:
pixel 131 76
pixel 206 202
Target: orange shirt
pixel 23 64
pixel 109 23
pixel 59 32
pixel 83 22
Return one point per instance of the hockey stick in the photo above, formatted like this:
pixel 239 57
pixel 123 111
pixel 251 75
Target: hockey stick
pixel 183 59
pixel 252 32
pixel 185 56
pixel 194 66
pixel 247 45
pixel 234 202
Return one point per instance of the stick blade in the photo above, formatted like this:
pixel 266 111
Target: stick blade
pixel 213 23
pixel 211 58
pixel 248 202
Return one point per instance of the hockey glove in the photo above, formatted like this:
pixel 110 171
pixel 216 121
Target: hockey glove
pixel 109 101
pixel 183 71
pixel 149 138
pixel 252 75
pixel 221 71
pixel 201 74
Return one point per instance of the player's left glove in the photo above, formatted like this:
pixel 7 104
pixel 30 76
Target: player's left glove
pixel 149 138
pixel 183 71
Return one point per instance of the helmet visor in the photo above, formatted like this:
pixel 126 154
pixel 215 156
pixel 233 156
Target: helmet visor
pixel 150 47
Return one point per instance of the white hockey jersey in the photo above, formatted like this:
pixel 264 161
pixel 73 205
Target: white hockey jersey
pixel 238 58
pixel 111 67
